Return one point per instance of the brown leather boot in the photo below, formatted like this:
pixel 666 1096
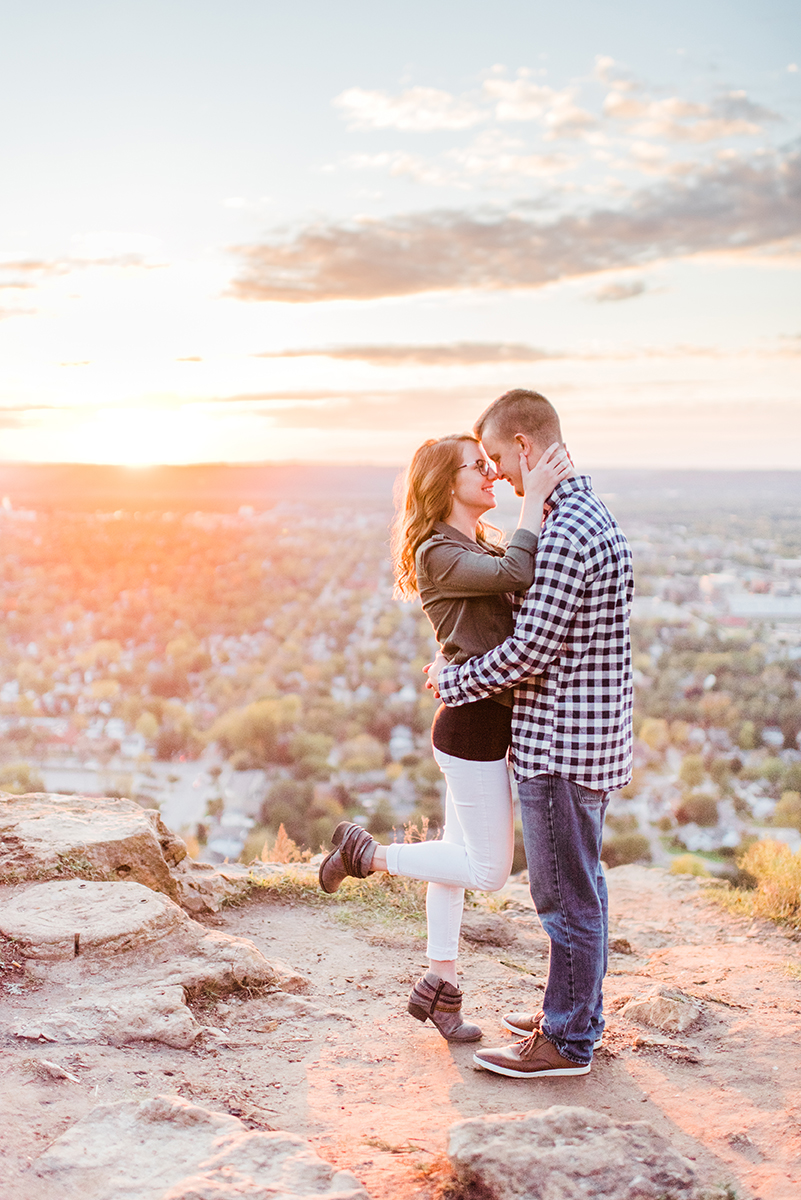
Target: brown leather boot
pixel 353 852
pixel 434 999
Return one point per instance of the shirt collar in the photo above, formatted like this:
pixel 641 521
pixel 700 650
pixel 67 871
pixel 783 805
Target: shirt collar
pixel 442 527
pixel 579 483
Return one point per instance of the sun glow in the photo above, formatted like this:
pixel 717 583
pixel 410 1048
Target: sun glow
pixel 135 437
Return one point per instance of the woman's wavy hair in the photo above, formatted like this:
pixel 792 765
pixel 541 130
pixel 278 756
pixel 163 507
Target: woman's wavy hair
pixel 423 497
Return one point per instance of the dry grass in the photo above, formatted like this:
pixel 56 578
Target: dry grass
pixel 689 864
pixel 387 899
pixel 777 892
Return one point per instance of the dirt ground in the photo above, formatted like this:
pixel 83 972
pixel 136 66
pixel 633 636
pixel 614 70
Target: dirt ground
pixel 375 1091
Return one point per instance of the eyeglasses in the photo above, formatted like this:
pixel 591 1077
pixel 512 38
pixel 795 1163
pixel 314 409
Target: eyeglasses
pixel 481 465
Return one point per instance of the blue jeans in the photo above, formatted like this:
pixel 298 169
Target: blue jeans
pixel 562 829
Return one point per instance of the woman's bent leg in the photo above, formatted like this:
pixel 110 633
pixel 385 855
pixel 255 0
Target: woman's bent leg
pixel 475 852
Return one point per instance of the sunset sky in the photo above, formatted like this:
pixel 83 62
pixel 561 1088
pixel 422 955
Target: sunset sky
pixel 251 230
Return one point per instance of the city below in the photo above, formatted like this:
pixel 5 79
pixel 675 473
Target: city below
pixel 222 643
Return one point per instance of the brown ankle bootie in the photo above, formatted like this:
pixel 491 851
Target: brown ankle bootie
pixel 353 852
pixel 434 999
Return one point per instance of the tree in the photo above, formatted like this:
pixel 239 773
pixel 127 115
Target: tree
pixel 787 812
pixel 747 738
pixel 655 733
pixel 19 778
pixel 692 770
pixel 255 729
pixel 702 810
pixel 148 726
pixel 628 848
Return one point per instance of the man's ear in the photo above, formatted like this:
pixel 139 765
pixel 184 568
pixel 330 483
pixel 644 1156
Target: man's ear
pixel 523 445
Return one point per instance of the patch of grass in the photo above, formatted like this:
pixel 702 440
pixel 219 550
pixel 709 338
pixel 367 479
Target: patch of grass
pixel 516 966
pixel 394 1148
pixel 77 866
pixel 793 970
pixel 70 865
pixel 494 902
pixel 202 997
pixel 440 1178
pixel 380 897
pixel 689 864
pixel 776 894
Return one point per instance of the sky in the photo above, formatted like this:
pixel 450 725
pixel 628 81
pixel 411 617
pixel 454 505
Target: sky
pixel 258 231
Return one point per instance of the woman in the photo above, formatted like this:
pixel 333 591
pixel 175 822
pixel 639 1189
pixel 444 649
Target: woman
pixel 442 553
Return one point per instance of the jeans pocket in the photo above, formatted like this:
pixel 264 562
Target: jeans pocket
pixel 589 798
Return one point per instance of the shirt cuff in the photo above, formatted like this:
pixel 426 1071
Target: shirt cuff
pixel 525 539
pixel 448 686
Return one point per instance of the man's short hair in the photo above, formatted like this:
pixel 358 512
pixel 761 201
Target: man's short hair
pixel 521 411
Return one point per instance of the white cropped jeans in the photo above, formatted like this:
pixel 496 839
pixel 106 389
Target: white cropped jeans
pixel 475 851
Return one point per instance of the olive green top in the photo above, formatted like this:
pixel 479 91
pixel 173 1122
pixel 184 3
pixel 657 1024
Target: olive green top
pixel 466 588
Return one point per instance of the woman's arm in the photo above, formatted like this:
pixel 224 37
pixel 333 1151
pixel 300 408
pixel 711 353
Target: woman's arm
pixel 457 571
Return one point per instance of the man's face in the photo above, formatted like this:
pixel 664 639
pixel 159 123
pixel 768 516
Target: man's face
pixel 506 457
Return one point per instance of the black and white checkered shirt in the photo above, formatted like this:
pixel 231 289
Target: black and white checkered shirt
pixel 570 655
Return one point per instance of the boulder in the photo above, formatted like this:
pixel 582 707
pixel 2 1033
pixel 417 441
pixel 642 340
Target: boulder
pixel 204 888
pixel 45 836
pixel 70 931
pixel 569 1153
pixel 117 1016
pixel 66 919
pixel 487 929
pixel 169 1149
pixel 663 1008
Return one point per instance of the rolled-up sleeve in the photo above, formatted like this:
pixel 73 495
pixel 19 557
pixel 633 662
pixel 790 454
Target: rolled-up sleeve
pixel 542 625
pixel 457 571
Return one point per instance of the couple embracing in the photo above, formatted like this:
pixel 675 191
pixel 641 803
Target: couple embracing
pixel 534 659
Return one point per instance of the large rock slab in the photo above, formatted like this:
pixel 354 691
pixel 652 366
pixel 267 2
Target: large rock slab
pixel 663 1008
pixel 44 836
pixel 120 961
pixel 66 919
pixel 169 1149
pixel 566 1154
pixel 117 1016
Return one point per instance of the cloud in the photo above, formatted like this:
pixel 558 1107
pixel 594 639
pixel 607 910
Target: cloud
pixel 447 355
pixel 521 100
pixel 736 105
pixel 424 109
pixel 679 120
pixel 34 270
pixel 615 75
pixel 623 290
pixel 35 267
pixel 490 154
pixel 399 163
pixel 7 313
pixel 733 205
pixel 421 109
pixel 410 409
pixel 21 416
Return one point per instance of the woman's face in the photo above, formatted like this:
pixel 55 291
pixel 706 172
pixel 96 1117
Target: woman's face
pixel 472 490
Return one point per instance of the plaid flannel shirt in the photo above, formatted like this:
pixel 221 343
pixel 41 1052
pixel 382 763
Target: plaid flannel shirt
pixel 569 658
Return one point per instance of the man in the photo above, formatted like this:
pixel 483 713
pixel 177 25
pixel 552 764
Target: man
pixel 570 662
